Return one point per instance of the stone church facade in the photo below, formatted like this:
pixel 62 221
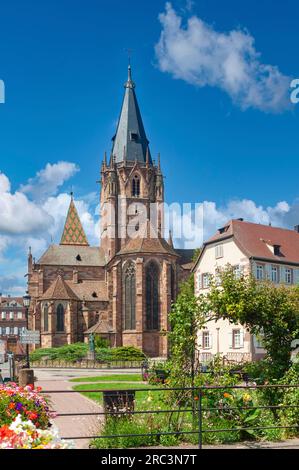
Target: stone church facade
pixel 122 289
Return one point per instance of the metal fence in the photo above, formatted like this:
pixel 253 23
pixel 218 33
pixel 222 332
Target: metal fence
pixel 87 364
pixel 196 408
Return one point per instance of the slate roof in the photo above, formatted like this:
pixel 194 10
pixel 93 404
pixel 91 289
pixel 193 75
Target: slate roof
pixel 73 232
pixel 91 291
pixel 67 255
pixel 59 290
pixel 130 134
pixel 101 327
pixel 256 240
pixel 144 243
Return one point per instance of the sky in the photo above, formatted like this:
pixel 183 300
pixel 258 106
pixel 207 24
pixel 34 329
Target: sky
pixel 213 84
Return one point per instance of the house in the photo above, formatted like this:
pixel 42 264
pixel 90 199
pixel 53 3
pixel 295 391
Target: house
pixel 268 253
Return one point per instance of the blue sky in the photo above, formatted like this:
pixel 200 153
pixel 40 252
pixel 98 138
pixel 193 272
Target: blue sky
pixel 64 63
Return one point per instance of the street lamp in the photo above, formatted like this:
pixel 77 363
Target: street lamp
pixel 26 303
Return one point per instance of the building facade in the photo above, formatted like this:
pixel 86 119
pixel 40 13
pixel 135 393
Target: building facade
pixel 269 253
pixel 12 322
pixel 124 287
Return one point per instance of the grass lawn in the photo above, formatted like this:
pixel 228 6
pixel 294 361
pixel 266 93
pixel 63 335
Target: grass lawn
pixel 111 378
pixel 98 396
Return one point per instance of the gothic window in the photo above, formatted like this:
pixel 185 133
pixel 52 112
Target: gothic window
pixel 136 186
pixel 60 318
pixel 130 298
pixel 152 297
pixel 46 318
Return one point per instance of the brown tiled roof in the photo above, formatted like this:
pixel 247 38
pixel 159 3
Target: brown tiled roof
pixel 86 289
pixel 59 290
pixel 100 327
pixel 147 242
pixel 68 255
pixel 73 232
pixel 253 239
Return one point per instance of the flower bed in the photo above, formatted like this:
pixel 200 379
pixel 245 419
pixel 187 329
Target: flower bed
pixel 25 420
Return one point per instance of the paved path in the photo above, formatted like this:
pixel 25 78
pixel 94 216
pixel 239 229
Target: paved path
pixel 72 426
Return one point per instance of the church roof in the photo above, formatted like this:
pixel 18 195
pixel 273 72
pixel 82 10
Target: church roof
pixel 101 327
pixel 130 138
pixel 91 291
pixel 73 232
pixel 147 242
pixel 72 255
pixel 59 290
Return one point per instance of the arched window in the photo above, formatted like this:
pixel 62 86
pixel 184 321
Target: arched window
pixel 60 318
pixel 152 297
pixel 46 317
pixel 136 186
pixel 130 297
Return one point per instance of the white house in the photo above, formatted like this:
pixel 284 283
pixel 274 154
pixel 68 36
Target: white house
pixel 268 253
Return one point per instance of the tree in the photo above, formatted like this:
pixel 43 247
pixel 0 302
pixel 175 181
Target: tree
pixel 185 322
pixel 262 308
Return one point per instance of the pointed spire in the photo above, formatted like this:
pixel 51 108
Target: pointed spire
pixel 125 154
pixel 147 156
pixel 159 163
pixel 105 159
pixel 129 83
pixel 170 241
pixel 73 232
pixel 130 131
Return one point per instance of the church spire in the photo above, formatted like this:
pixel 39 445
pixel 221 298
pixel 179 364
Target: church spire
pixel 73 232
pixel 130 131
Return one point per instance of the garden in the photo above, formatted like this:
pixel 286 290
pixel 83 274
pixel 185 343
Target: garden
pixel 265 408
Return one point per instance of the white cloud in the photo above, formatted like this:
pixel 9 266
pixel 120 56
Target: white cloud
pixel 202 56
pixel 48 180
pixel 18 215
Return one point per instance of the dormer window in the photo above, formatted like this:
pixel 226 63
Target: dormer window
pixel 136 186
pixel 276 249
pixel 223 229
pixel 134 136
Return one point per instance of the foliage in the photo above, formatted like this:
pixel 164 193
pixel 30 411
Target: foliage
pixel 22 434
pixel 24 402
pixel 185 321
pixel 101 342
pixel 78 351
pixel 261 307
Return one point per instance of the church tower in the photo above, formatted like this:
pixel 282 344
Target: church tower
pixel 132 189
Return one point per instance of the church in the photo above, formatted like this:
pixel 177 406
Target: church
pixel 122 289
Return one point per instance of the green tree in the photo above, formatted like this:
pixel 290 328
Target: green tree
pixel 185 322
pixel 262 308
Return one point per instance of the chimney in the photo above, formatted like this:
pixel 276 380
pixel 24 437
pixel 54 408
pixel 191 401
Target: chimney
pixel 296 228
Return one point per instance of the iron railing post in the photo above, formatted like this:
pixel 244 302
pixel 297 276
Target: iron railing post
pixel 200 419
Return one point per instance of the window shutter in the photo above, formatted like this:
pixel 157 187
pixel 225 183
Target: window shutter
pixel 296 276
pixel 200 339
pixel 268 269
pixel 282 274
pixel 241 339
pixel 230 340
pixel 211 339
pixel 199 283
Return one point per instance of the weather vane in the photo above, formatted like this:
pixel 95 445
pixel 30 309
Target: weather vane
pixel 129 52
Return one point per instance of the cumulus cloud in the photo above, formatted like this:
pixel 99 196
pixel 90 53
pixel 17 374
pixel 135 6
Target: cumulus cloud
pixel 19 215
pixel 202 56
pixel 48 180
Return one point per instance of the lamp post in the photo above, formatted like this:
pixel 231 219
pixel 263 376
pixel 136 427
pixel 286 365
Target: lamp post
pixel 26 302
